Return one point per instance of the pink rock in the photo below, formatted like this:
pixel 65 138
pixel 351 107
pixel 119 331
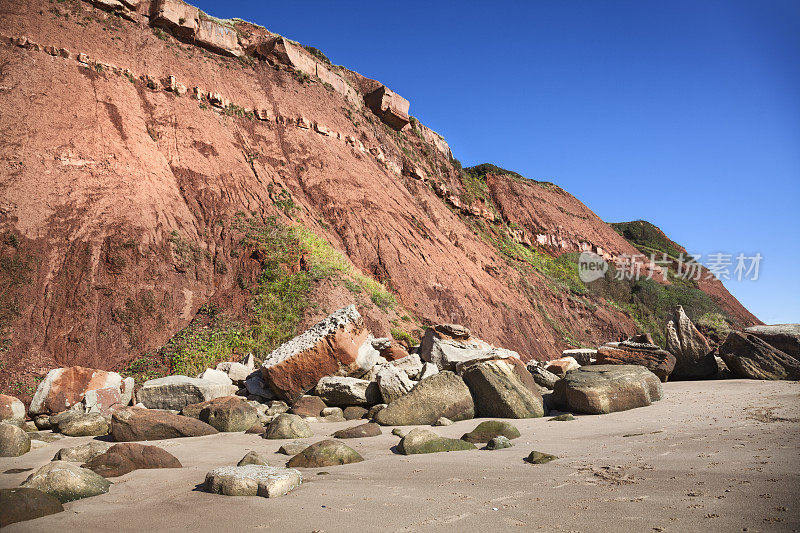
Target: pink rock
pixel 64 387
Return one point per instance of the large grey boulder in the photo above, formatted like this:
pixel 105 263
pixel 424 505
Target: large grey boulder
pixel 694 358
pixel 288 426
pixel 601 389
pixel 783 337
pixel 67 482
pixel 342 391
pixel 444 394
pixel 82 453
pixel 421 440
pixel 21 504
pixel 747 356
pixel 393 382
pixel 13 441
pixel 252 480
pixel 499 392
pixel 176 392
pixel 12 410
pixel 76 423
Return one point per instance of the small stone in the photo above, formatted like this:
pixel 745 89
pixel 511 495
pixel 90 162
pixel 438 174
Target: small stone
pixel 288 426
pixel 566 417
pixel 332 411
pixel 422 440
pixel 13 441
pixel 42 422
pixel 486 431
pixel 257 429
pixel 370 429
pixel 67 482
pixel 216 376
pixel 252 480
pixel 325 453
pixel 397 432
pixel 293 448
pixel 375 409
pixel 498 443
pixel 443 421
pixel 538 458
pixel 253 458
pixel 354 412
pixel 276 407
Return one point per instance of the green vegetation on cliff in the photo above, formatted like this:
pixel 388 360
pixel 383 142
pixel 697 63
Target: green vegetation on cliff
pixel 646 237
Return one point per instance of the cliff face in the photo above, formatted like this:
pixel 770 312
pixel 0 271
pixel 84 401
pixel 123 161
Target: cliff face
pixel 146 179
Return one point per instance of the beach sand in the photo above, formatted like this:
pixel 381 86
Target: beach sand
pixel 713 455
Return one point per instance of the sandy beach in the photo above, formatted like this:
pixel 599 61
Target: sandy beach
pixel 713 455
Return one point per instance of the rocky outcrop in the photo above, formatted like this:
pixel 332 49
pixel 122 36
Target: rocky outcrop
pixel 67 482
pixel 499 392
pixel 421 440
pixel 21 504
pixel 747 356
pixel 13 441
pixel 638 350
pixel 189 23
pixel 602 389
pixel 176 392
pixel 444 394
pixel 12 411
pixel 783 337
pixel 694 358
pixel 252 480
pixel 120 459
pixel 342 391
pixel 390 107
pixel 64 387
pixel 325 453
pixel 340 345
pixel 135 424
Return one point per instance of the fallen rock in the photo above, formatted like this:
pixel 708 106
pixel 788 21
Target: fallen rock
pixel 539 458
pixel 486 431
pixel 375 409
pixel 566 417
pixel 102 401
pixel 257 387
pixel 42 422
pixel 82 453
pixel 135 424
pixel 542 377
pixel 410 364
pixel 332 412
pixel 499 392
pixel 288 426
pixel 749 357
pixel 276 407
pixel 602 389
pixel 64 387
pixel 253 458
pixel 393 383
pixel 638 350
pixel 783 337
pixel 176 392
pixel 293 448
pixel 308 406
pixel 238 372
pixel 343 391
pixel 215 376
pixel 21 504
pixel 325 453
pixel 122 458
pixel 422 440
pixel 498 443
pixel 370 429
pixel 256 429
pixel 445 345
pixel 561 366
pixel 392 351
pixel 12 410
pixel 443 421
pixel 67 482
pixel 354 412
pixel 13 441
pixel 444 394
pixel 428 370
pixel 397 432
pixel 340 345
pixel 252 480
pixel 227 414
pixel 694 358
pixel 583 356
pixel 75 423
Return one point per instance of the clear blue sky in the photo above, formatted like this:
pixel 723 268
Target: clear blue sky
pixel 683 113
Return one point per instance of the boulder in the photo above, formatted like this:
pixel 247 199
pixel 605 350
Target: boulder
pixel 543 378
pixel 253 458
pixel 694 358
pixel 539 458
pixel 238 372
pixel 444 394
pixel 638 350
pixel 13 441
pixel 393 351
pixel 215 376
pixel 64 387
pixel 584 356
pixel 308 406
pixel 446 345
pixel 102 401
pixel 325 453
pixel 561 366
pixel 122 458
pixel 354 413
pixel 288 426
pixel 67 482
pixel 783 337
pixel 393 382
pixel 389 106
pixel 252 480
pixel 256 429
pixel 498 443
pixel 428 369
pixel 42 422
pixel 343 391
pixel 420 440
pixel 375 409
pixel 293 448
pixel 331 413
pixel 486 431
pixel 340 345
pixel 499 392
pixel 749 357
pixel 370 429
pixel 276 407
pixel 566 417
pixel 82 453
pixel 176 392
pixel 411 365
pixel 443 421
pixel 12 410
pixel 602 389
pixel 256 386
pixel 75 423
pixel 21 504
pixel 227 414
pixel 135 424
